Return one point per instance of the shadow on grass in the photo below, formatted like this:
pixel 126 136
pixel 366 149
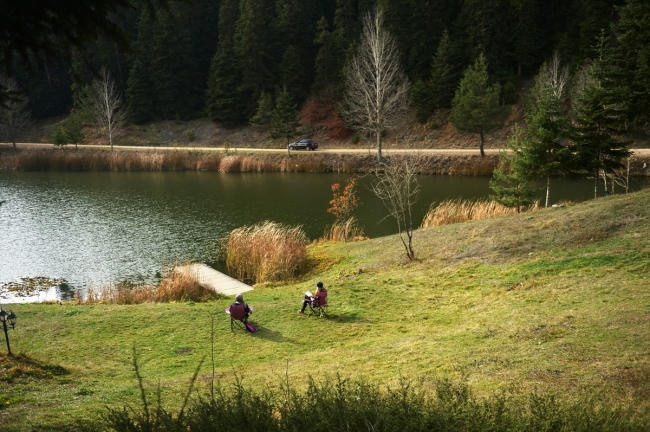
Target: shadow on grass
pixel 271 335
pixel 24 366
pixel 345 318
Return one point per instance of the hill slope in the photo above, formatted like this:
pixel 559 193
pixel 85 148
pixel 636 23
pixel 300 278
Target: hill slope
pixel 555 300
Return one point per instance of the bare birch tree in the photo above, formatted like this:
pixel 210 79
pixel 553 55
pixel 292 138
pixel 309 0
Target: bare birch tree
pixel 397 186
pixel 376 87
pixel 15 116
pixel 106 106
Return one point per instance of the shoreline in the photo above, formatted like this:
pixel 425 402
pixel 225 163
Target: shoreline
pixel 452 162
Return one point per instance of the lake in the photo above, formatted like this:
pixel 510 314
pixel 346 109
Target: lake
pixel 96 228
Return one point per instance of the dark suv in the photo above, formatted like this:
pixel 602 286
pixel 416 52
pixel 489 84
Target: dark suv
pixel 304 144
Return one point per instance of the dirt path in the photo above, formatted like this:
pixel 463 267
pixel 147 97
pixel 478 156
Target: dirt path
pixel 469 151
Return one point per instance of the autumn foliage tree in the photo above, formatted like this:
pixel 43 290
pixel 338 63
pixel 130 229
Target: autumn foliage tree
pixel 343 204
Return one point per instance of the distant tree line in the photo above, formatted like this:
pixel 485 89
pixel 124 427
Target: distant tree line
pixel 223 58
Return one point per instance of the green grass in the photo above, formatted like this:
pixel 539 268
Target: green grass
pixel 553 301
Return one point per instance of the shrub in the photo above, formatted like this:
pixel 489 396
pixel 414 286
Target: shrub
pixel 266 252
pixel 458 210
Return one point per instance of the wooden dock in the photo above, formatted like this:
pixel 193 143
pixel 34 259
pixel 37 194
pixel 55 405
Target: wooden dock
pixel 209 277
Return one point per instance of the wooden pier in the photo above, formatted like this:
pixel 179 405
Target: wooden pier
pixel 209 277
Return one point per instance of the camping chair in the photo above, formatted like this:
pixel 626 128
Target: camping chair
pixel 237 316
pixel 318 305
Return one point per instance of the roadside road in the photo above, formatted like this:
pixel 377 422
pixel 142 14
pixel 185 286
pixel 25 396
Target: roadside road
pixel 385 151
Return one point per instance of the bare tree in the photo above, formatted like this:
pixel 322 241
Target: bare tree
pixel 15 116
pixel 555 77
pixel 397 186
pixel 106 106
pixel 376 87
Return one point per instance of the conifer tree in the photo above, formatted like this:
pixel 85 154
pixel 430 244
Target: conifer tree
pixel 329 60
pixel 226 99
pixel 599 118
pixel 527 34
pixel 633 36
pixel 439 91
pixel 264 113
pixel 475 107
pixel 285 117
pixel 139 96
pixel 173 69
pixel 547 125
pixel 294 74
pixel 510 180
pixel 254 47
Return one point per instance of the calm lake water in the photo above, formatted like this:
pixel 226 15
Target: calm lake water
pixel 98 228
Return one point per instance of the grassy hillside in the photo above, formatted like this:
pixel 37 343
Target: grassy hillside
pixel 554 301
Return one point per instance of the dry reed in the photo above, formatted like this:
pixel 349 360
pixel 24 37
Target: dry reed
pixel 338 230
pixel 174 287
pixel 459 210
pixel 266 252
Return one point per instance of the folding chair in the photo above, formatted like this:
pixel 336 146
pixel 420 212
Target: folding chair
pixel 318 305
pixel 237 316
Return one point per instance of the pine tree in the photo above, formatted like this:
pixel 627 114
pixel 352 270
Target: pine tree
pixel 633 36
pixel 444 77
pixel 226 99
pixel 510 181
pixel 254 47
pixel 439 91
pixel 475 107
pixel 173 70
pixel 527 34
pixel 264 113
pixel 285 117
pixel 296 26
pixel 294 75
pixel 547 125
pixel 599 118
pixel 139 96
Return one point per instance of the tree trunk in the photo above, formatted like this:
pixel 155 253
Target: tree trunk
pixel 482 141
pixel 596 175
pixel 548 190
pixel 379 146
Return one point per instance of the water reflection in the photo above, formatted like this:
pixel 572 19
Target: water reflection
pixel 98 228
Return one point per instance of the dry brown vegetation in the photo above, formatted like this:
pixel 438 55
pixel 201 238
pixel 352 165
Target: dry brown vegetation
pixel 174 287
pixel 459 210
pixel 348 229
pixel 266 252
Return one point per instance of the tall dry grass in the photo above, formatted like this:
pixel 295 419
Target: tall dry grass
pixel 339 231
pixel 459 210
pixel 266 252
pixel 174 287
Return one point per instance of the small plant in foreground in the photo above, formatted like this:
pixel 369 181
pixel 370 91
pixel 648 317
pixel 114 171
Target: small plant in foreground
pixel 353 405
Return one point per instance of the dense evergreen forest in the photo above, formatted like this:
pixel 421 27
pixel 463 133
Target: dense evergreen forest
pixel 226 58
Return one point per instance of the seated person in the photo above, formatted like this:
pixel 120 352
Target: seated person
pixel 309 298
pixel 239 300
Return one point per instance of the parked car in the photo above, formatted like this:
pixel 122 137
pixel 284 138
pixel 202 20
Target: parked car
pixel 304 144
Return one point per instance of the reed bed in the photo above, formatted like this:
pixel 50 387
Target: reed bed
pixel 266 252
pixel 339 231
pixel 174 287
pixel 459 210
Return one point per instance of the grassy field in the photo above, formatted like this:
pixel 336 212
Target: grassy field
pixel 553 301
